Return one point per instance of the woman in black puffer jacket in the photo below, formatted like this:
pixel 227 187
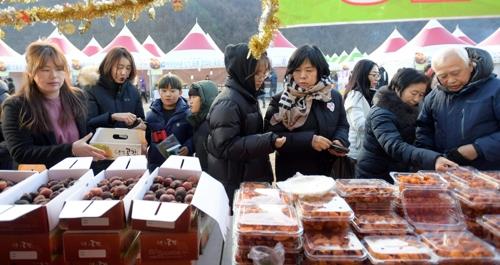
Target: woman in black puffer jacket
pixel 238 149
pixel 390 130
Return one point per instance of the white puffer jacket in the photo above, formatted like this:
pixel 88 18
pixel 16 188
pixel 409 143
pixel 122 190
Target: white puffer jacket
pixel 357 108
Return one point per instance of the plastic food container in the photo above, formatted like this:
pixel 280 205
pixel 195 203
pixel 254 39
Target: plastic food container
pixel 268 224
pixel 459 248
pixel 432 210
pixel 397 250
pixel 412 180
pixel 491 175
pixel 329 212
pixel 292 256
pixel 249 185
pixel 491 228
pixel 260 196
pixel 365 190
pixel 306 185
pixel 470 178
pixel 333 248
pixel 477 202
pixel 379 223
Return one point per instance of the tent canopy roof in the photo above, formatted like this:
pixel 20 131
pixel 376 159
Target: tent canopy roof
pixel 492 40
pixel 92 47
pixel 152 47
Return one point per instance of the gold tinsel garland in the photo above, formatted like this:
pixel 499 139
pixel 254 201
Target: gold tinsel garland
pixel 64 15
pixel 268 23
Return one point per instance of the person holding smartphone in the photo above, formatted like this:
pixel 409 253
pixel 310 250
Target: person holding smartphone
pixel 390 130
pixel 311 114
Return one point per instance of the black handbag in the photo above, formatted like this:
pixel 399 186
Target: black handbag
pixel 343 168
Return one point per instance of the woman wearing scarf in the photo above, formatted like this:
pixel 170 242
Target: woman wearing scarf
pixel 310 114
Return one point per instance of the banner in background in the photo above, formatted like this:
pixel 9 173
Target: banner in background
pixel 325 12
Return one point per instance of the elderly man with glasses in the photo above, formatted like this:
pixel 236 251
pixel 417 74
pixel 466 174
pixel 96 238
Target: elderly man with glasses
pixel 462 116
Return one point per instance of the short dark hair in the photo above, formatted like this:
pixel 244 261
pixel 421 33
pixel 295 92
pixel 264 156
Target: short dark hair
pixel 170 80
pixel 112 58
pixel 194 90
pixel 314 55
pixel 406 77
pixel 359 78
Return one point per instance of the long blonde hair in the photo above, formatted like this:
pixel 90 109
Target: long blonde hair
pixel 33 114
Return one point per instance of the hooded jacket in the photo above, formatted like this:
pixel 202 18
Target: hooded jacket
pixel 390 133
pixel 176 125
pixel 238 149
pixel 107 97
pixel 449 120
pixel 208 91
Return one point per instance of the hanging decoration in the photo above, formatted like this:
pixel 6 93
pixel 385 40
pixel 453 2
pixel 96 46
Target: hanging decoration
pixel 79 13
pixel 268 24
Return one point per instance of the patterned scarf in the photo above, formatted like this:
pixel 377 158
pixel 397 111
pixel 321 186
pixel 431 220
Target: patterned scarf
pixel 295 102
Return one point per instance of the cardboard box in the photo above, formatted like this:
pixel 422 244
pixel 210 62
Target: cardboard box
pixel 129 257
pixel 97 245
pixel 27 248
pixel 167 216
pixel 119 141
pixel 81 214
pixel 58 260
pixel 19 178
pixel 31 218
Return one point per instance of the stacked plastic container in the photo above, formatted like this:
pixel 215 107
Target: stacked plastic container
pixel 398 250
pixel 330 248
pixel 264 217
pixel 366 194
pixel 490 225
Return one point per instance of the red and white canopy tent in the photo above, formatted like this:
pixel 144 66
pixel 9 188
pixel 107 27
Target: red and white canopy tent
pixel 195 51
pixel 386 50
pixel 10 59
pixel 153 48
pixel 461 35
pixel 74 56
pixel 431 38
pixel 127 40
pixel 492 45
pixel 280 50
pixel 92 47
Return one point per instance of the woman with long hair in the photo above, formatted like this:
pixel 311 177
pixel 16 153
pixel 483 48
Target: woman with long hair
pixel 357 102
pixel 45 120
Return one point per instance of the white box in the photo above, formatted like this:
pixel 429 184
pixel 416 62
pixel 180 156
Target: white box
pixel 119 141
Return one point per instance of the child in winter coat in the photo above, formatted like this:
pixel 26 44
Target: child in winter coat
pixel 166 117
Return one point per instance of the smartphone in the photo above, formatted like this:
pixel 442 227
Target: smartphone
pixel 339 148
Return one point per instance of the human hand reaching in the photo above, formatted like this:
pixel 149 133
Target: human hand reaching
pixel 82 148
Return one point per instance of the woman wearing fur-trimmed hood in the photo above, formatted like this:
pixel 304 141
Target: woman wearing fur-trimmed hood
pixel 390 130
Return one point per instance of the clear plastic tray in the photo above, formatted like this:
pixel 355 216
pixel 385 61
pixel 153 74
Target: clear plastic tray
pixel 432 210
pixel 254 185
pixel 491 175
pixel 326 246
pixel 292 256
pixel 490 225
pixel 380 223
pixel 329 212
pixel 467 177
pixel 365 190
pixel 289 241
pixel 397 250
pixel 459 248
pixel 477 202
pixel 411 180
pixel 260 196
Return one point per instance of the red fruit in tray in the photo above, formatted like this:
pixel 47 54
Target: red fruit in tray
pixel 166 198
pixel 187 185
pixel 188 198
pixel 3 185
pixel 96 192
pixel 167 181
pixel 176 183
pixel 170 191
pixel 107 195
pixel 46 192
pixel 158 179
pixel 116 183
pixel 149 197
pixel 191 191
pixel 193 180
pixel 119 191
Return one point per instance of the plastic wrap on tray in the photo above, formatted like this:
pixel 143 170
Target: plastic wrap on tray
pixel 329 212
pixel 379 223
pixel 268 224
pixel 470 178
pixel 411 180
pixel 365 190
pixel 260 196
pixel 491 175
pixel 292 256
pixel 397 250
pixel 490 225
pixel 249 185
pixel 432 210
pixel 333 248
pixel 477 202
pixel 459 248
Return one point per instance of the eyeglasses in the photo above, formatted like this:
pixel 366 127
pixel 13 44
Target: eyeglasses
pixel 262 75
pixel 374 75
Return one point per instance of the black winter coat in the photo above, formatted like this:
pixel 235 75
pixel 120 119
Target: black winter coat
pixel 390 133
pixel 298 155
pixel 177 125
pixel 106 98
pixel 238 149
pixel 28 147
